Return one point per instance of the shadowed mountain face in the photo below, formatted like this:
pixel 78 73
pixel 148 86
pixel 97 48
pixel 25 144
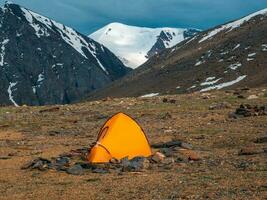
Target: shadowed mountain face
pixel 164 40
pixel 44 62
pixel 228 56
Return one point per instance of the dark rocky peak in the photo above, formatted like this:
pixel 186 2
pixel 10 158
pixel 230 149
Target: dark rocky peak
pixel 45 62
pixel 12 8
pixel 191 32
pixel 165 39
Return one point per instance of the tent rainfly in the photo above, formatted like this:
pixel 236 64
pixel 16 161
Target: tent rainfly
pixel 120 137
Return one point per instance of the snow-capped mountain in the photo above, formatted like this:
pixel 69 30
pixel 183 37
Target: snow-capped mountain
pixel 229 56
pixel 135 45
pixel 45 62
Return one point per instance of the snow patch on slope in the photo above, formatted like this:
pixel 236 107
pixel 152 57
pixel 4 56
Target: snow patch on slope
pixel 199 63
pixel 236 47
pixel 40 78
pixel 223 85
pixel 2 54
pixel 235 66
pixel 150 95
pixel 93 52
pixel 10 91
pixel 209 82
pixel 39 31
pixel 233 25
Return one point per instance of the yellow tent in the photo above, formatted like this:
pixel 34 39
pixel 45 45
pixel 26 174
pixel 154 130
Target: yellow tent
pixel 120 137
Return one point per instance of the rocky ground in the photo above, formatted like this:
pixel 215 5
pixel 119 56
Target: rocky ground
pixel 212 146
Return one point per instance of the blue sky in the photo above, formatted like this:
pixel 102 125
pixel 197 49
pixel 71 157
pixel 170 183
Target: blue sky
pixel 87 16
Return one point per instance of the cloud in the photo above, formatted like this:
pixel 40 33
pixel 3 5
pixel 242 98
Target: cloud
pixel 87 16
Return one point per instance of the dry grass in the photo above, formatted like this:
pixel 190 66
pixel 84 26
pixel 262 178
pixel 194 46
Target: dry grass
pixel 25 133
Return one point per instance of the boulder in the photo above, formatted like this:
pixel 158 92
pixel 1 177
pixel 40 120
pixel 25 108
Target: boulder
pixel 75 170
pixel 38 163
pixel 248 111
pixel 100 171
pixel 61 163
pixel 171 144
pixel 135 164
pixel 168 152
pixel 186 146
pixel 191 155
pixel 158 157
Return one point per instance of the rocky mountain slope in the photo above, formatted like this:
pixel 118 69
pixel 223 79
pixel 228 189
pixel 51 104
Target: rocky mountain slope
pixel 45 62
pixel 228 56
pixel 135 45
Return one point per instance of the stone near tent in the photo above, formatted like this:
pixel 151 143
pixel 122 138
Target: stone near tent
pixel 168 152
pixel 135 164
pixel 38 163
pixel 191 155
pixel 100 171
pixel 79 153
pixel 75 170
pixel 186 146
pixel 171 144
pixel 95 168
pixel 61 163
pixel 158 157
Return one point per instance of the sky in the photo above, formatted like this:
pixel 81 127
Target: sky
pixel 87 16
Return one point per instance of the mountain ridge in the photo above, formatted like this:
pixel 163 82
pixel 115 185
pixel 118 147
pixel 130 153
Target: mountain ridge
pixel 135 45
pixel 45 62
pixel 226 56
